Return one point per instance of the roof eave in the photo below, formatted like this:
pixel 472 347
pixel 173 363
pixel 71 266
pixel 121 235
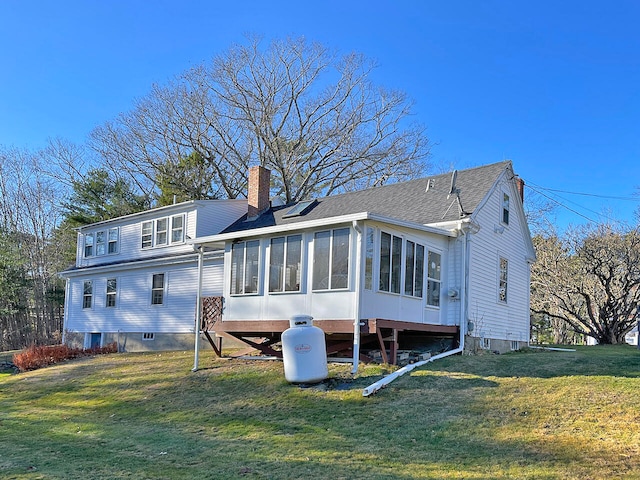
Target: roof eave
pixel 323 222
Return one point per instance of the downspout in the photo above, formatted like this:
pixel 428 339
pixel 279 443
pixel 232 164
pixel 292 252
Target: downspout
pixel 196 349
pixel 66 311
pixel 358 289
pixel 465 230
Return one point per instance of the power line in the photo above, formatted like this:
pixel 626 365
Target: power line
pixel 630 199
pixel 563 205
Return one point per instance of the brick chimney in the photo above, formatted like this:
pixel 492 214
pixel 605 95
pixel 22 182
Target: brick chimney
pixel 259 187
pixel 520 187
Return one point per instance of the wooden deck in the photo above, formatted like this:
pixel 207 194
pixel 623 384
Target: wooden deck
pixel 375 333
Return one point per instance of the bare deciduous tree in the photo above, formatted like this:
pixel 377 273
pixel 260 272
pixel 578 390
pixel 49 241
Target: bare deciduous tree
pixel 314 118
pixel 589 279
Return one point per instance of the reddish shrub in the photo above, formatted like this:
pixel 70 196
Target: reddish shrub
pixel 36 357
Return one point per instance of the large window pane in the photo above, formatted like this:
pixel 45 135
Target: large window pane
pixel 293 269
pixel 433 282
pixel 252 267
pixel 385 261
pixel 417 289
pixel 237 268
pixel 87 292
pixel 276 264
pixel 409 268
pixel 340 259
pixel 88 245
pixel 321 249
pixel 396 267
pixel 368 258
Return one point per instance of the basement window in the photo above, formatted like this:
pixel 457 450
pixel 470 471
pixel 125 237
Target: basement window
pixel 485 343
pixel 515 345
pixel 147 336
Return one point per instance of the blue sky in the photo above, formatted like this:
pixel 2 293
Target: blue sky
pixel 553 86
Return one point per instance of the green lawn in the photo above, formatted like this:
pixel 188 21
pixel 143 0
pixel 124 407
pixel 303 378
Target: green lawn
pixel 539 414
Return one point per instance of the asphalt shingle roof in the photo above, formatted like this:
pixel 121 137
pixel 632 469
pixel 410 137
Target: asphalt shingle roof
pixel 408 201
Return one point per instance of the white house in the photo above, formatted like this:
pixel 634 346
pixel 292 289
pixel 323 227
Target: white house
pixel 135 278
pixel 446 256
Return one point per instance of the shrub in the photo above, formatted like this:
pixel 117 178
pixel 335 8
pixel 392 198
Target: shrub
pixel 36 357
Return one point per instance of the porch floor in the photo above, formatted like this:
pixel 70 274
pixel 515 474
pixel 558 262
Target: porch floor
pixel 380 339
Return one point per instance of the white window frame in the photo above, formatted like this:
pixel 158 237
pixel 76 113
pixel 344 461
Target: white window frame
pixel 241 267
pixel 485 343
pixel 86 295
pixel 503 280
pixel 505 208
pixel 153 235
pixel 515 345
pixel 395 271
pixel 433 280
pixel 369 258
pixel 111 294
pixel 89 244
pixel 155 290
pixel 319 286
pixel 177 230
pixel 113 244
pixel 284 266
pixel 417 274
pixel 148 336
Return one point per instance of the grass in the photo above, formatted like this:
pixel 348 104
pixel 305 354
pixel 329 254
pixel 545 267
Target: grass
pixel 537 414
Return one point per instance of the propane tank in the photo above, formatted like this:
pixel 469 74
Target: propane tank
pixel 304 351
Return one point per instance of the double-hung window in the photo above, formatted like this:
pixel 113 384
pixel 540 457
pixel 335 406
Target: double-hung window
pixel 245 267
pixel 433 279
pixel 390 262
pixel 177 229
pixel 503 278
pixel 111 292
pixel 113 240
pixel 157 289
pixel 161 231
pixel 505 209
pixel 101 243
pixel 331 259
pixel 88 245
pixel 87 294
pixel 285 264
pixel 147 234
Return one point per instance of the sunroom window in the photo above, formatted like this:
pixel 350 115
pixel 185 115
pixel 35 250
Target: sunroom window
pixel 285 264
pixel 433 279
pixel 331 259
pixel 245 267
pixel 390 262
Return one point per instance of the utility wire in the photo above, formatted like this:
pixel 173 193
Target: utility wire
pixel 629 199
pixel 557 202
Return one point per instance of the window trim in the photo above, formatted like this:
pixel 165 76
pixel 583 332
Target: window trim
pixel 401 264
pixel 92 244
pixel 433 279
pixel 156 289
pixel 148 336
pixel 501 280
pixel 243 269
pixel 88 236
pixel 86 295
pixel 113 294
pixel 330 271
pixel 285 263
pixel 505 208
pixel 149 239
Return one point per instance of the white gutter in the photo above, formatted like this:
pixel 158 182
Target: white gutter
pixel 356 321
pixel 374 387
pixel 196 350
